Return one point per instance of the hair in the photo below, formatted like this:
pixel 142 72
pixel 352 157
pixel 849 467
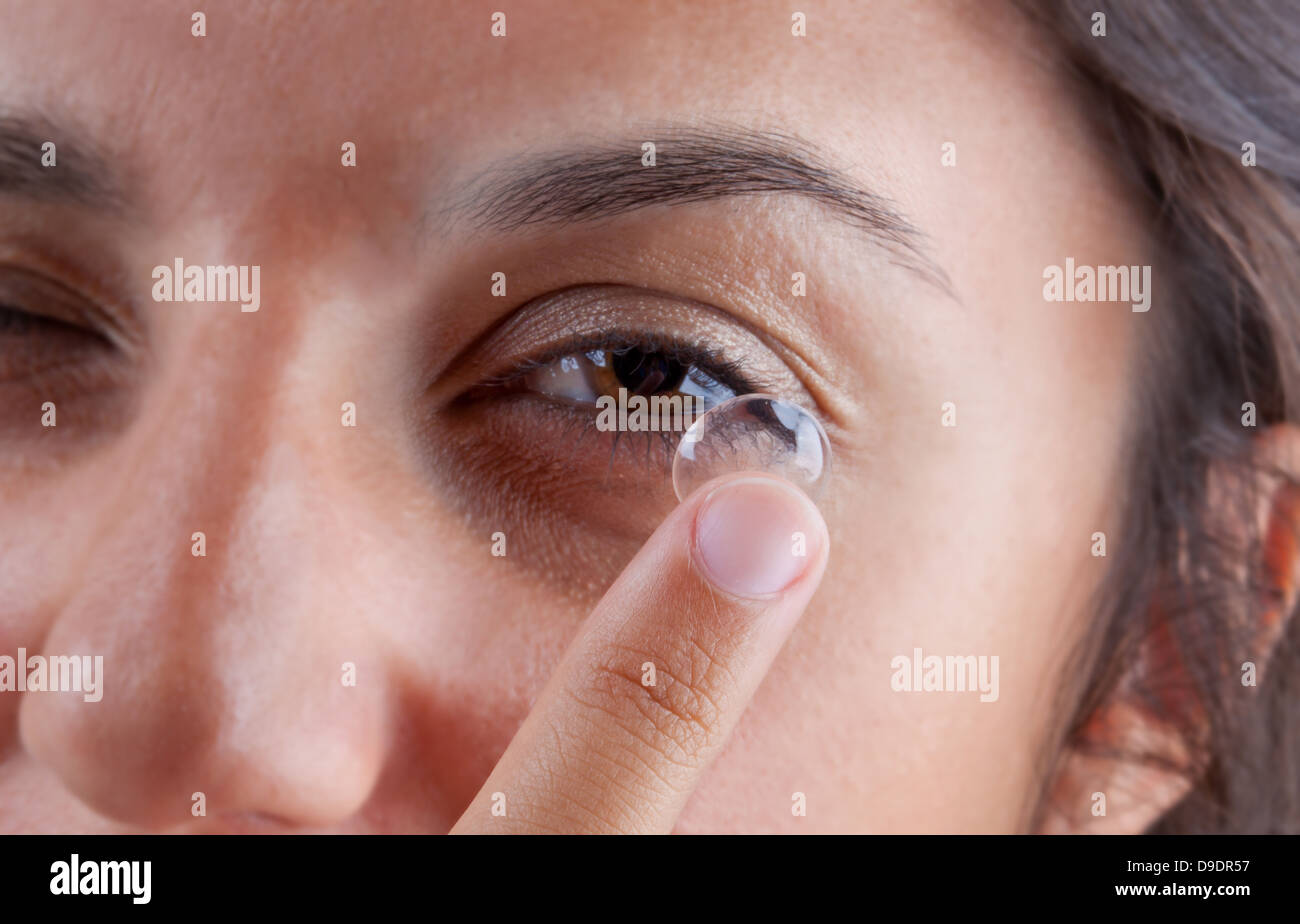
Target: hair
pixel 1178 89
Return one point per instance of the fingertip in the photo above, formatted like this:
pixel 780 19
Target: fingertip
pixel 757 536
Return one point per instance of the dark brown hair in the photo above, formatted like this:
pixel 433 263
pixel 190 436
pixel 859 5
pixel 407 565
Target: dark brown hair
pixel 1179 88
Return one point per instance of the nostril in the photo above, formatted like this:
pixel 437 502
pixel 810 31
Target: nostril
pixel 193 756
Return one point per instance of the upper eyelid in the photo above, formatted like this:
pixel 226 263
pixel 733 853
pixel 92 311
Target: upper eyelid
pixel 565 314
pixel 46 299
pixel 727 372
pixel 111 318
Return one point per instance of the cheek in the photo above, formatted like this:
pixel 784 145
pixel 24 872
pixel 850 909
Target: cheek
pixel 972 539
pixel 573 504
pixel 831 723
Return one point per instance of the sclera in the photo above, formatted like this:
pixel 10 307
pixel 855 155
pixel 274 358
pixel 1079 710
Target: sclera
pixel 754 433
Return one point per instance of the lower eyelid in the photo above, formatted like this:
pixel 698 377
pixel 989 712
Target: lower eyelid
pixel 541 470
pixel 77 359
pixel 557 449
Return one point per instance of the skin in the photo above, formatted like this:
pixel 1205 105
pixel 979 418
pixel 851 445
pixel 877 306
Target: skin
pixel 371 545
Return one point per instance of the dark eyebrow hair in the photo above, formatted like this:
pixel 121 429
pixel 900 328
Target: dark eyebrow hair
pixel 691 165
pixel 82 174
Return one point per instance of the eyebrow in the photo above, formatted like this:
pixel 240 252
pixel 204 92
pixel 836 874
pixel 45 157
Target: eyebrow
pixel 81 174
pixel 691 165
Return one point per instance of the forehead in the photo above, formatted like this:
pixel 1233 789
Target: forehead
pixel 271 79
pixel 241 129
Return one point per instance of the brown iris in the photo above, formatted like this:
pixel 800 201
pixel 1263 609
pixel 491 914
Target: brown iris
pixel 643 373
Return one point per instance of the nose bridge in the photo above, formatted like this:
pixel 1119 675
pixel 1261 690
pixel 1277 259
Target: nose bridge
pixel 210 590
pixel 192 524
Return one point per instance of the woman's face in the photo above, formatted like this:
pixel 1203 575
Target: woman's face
pixel 372 546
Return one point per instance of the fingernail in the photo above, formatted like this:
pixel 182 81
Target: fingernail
pixel 754 537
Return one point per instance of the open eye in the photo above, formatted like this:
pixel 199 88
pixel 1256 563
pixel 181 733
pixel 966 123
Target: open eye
pixel 648 369
pixel 518 431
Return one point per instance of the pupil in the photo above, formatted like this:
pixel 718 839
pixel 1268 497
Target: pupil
pixel 647 373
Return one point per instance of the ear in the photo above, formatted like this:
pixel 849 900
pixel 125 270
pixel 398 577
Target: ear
pixel 1135 756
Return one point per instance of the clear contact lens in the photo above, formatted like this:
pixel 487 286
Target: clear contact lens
pixel 754 433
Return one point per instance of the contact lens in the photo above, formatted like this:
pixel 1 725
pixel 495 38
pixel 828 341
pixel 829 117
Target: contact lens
pixel 754 433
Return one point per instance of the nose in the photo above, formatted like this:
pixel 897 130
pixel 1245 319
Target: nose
pixel 238 682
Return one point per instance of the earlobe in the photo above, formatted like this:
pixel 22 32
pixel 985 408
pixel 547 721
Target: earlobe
pixel 1281 552
pixel 1123 770
pixel 1135 756
pixel 1279 451
pixel 1138 754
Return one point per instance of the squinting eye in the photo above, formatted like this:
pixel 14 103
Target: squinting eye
pixel 66 369
pixel 49 335
pixel 587 376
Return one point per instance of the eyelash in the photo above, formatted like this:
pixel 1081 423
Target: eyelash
pixel 712 363
pixel 726 372
pixel 32 333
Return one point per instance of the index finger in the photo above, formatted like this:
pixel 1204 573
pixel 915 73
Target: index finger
pixel 647 694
